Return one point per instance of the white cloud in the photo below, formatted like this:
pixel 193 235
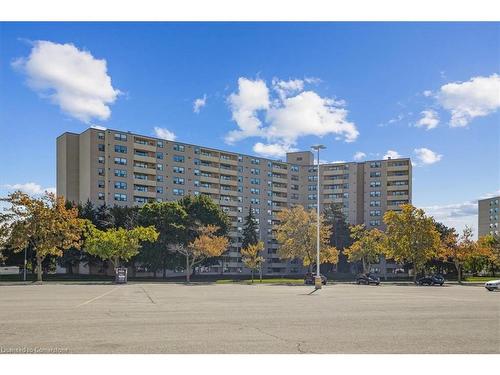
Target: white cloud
pixel 199 103
pixel 429 120
pixel 427 93
pixel 426 156
pixel 252 97
pixel 478 97
pixel 358 156
pixel 29 188
pixel 71 78
pixel 164 133
pixel 292 115
pixel 391 154
pixel 286 88
pixel 272 150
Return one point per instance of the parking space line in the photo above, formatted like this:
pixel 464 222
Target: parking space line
pixel 96 298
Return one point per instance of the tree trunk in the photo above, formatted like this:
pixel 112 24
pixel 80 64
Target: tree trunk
pixel 459 273
pixel 164 275
pixel 188 269
pixel 252 276
pixel 39 268
pixel 154 274
pixel 414 273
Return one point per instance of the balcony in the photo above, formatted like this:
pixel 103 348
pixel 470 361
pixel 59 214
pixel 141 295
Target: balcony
pixel 147 194
pixel 211 158
pixel 280 189
pixel 232 193
pixel 150 171
pixel 210 180
pixel 209 168
pixel 212 189
pixel 146 159
pixel 145 147
pixel 231 172
pixel 397 178
pixel 283 179
pixel 138 181
pixel 228 182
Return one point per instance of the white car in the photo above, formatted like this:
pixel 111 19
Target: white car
pixel 492 285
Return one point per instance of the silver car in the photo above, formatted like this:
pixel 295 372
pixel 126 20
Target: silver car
pixel 492 285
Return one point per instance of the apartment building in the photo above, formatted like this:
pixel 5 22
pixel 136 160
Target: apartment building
pixel 488 216
pixel 115 167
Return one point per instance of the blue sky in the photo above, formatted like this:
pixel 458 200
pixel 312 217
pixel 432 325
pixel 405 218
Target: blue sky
pixel 356 87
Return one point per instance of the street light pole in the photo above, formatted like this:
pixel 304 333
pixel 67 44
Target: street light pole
pixel 317 279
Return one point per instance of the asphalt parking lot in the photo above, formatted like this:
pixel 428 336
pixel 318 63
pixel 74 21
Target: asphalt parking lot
pixel 208 318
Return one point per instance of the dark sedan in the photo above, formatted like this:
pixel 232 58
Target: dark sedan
pixel 431 280
pixel 367 279
pixel 309 278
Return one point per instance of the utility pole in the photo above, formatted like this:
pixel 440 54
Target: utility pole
pixel 317 279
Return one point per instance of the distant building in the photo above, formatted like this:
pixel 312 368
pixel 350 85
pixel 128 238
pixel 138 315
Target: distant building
pixel 115 167
pixel 488 216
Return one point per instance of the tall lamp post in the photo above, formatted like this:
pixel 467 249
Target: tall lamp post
pixel 317 279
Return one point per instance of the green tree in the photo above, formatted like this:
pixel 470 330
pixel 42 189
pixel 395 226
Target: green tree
pixel 43 223
pixel 297 235
pixel 341 236
pixel 250 230
pixel 251 256
pixel 367 247
pixel 491 244
pixel 118 245
pixel 411 237
pixel 169 219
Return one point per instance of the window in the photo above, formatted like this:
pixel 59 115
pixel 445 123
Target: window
pixel 178 147
pixel 159 144
pixel 159 178
pixel 255 191
pixel 178 158
pixel 294 168
pixel 178 191
pixel 312 197
pixel 120 137
pixel 159 155
pixel 312 188
pixel 121 161
pixel 159 190
pixel 120 173
pixel 313 178
pixel 100 147
pixel 375 174
pixel 100 159
pixel 374 183
pixel 375 213
pixel 140 176
pixel 159 167
pixel 374 203
pixel 374 223
pixel 255 200
pixel 240 158
pixel 100 196
pixel 121 149
pixel 100 135
pixel 178 169
pixel 375 193
pixel 100 171
pixel 142 188
pixel 140 199
pixel 255 171
pixel 178 181
pixel 255 161
pixel 120 185
pixel 255 181
pixel 120 197
pixel 100 183
pixel 375 164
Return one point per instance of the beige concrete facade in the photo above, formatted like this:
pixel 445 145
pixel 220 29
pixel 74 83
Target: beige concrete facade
pixel 115 167
pixel 488 216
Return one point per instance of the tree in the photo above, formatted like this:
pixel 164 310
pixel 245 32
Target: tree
pixel 367 247
pixel 250 256
pixel 206 244
pixel 340 237
pixel 411 237
pixel 250 230
pixel 43 223
pixel 491 244
pixel 201 211
pixel 168 218
pixel 297 235
pixel 119 244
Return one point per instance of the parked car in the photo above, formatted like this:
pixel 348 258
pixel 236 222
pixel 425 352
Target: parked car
pixel 309 278
pixel 431 280
pixel 492 285
pixel 367 279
